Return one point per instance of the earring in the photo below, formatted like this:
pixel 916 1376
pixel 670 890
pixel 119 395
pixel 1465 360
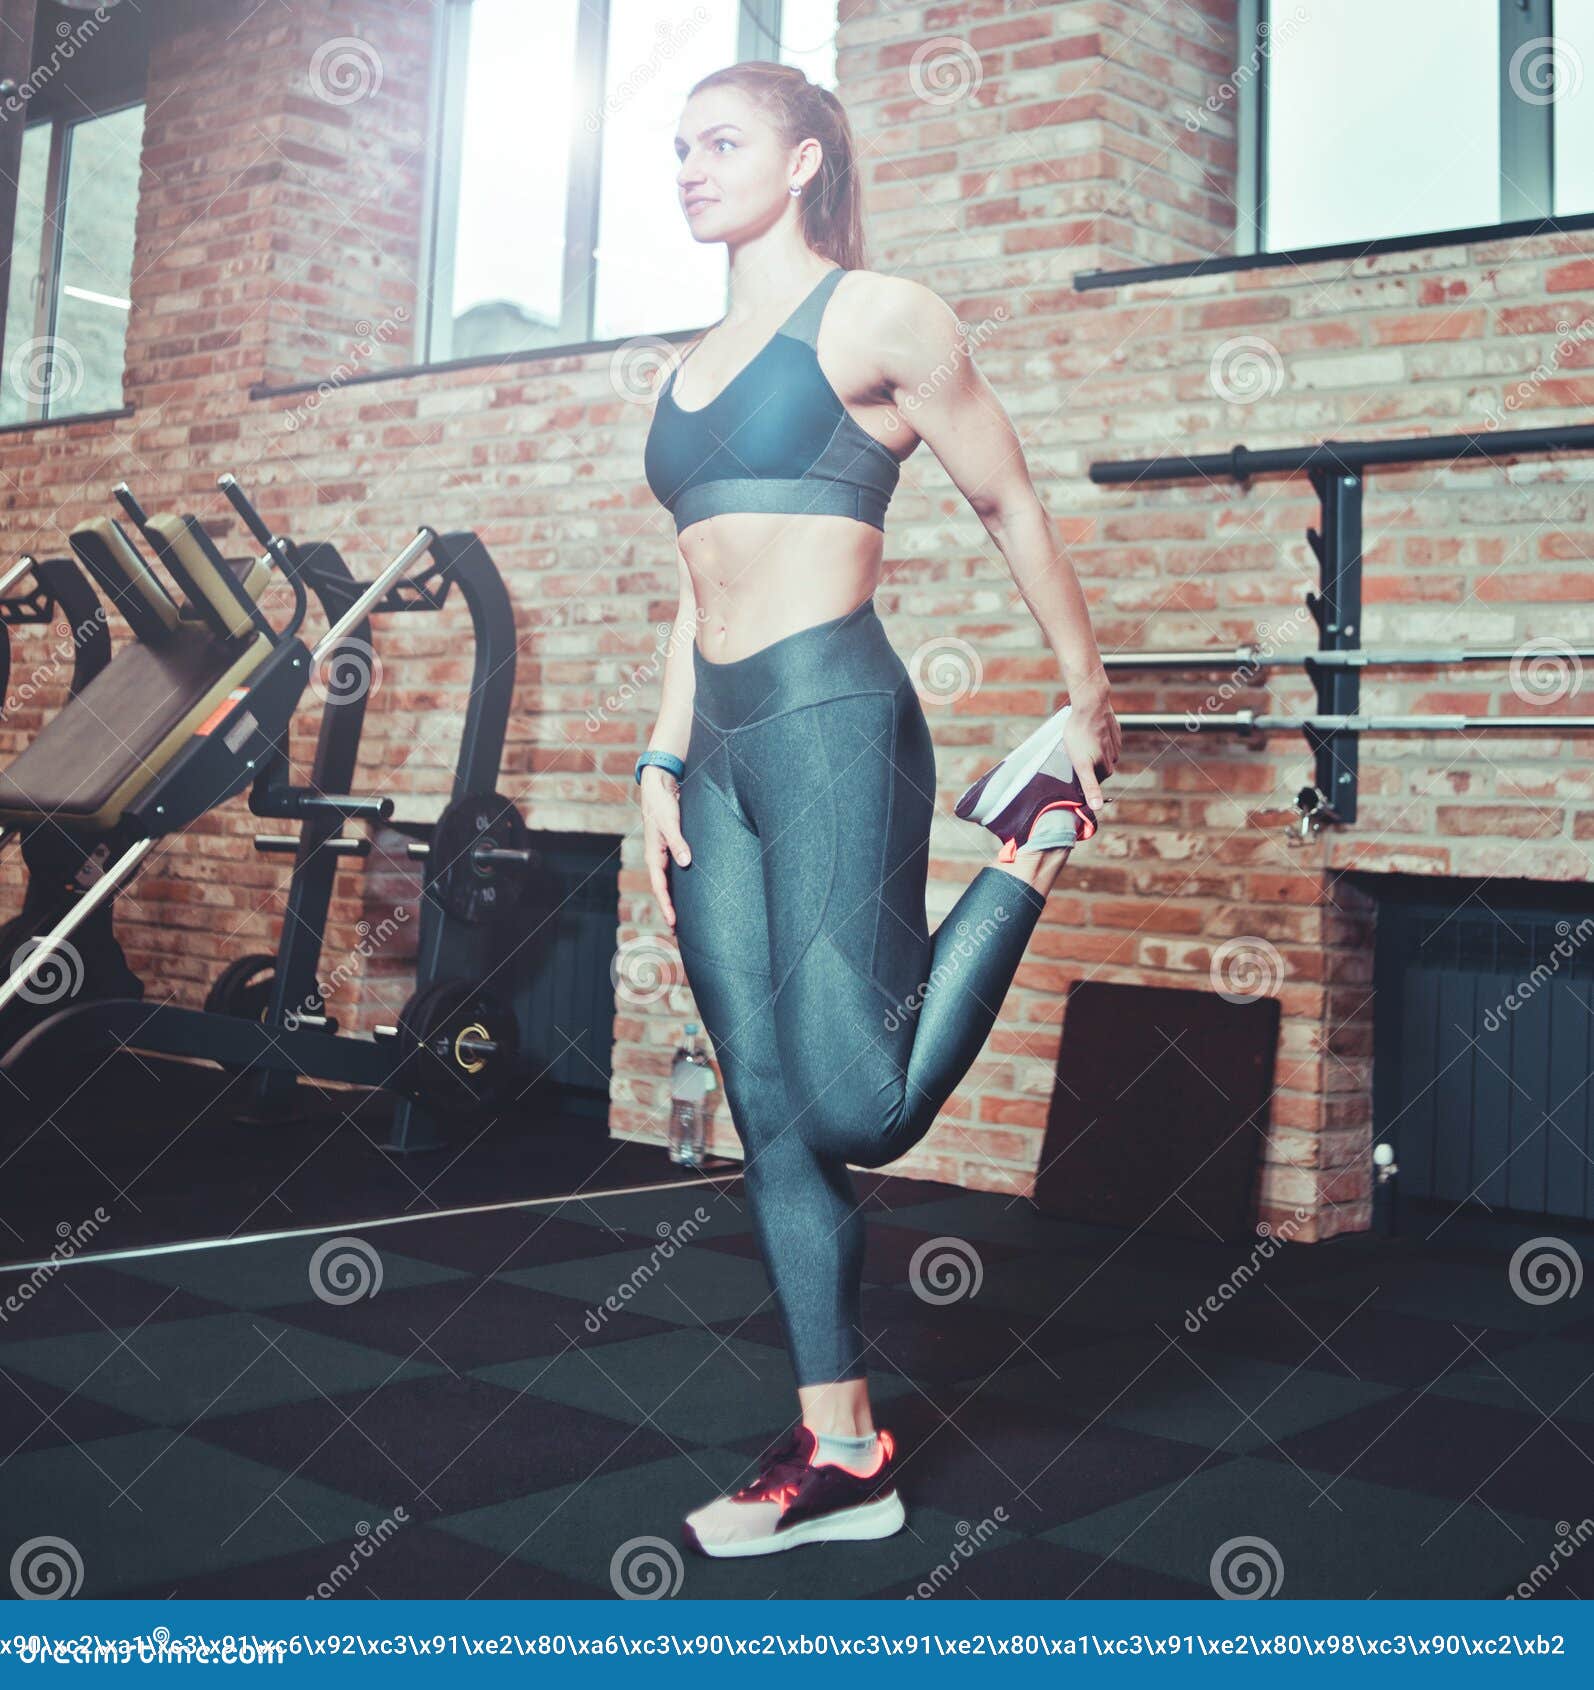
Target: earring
pixel 795 189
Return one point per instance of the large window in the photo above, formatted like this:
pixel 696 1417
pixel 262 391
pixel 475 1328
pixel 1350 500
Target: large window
pixel 1372 119
pixel 71 266
pixel 554 216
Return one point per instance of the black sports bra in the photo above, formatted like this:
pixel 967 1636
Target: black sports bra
pixel 775 438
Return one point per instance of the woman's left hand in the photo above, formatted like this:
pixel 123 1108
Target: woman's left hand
pixel 1093 739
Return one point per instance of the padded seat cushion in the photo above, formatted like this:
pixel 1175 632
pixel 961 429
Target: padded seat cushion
pixel 108 744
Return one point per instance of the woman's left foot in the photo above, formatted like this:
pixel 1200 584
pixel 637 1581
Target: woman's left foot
pixel 795 1500
pixel 1031 800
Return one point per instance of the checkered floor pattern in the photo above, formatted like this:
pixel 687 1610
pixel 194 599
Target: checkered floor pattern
pixel 532 1394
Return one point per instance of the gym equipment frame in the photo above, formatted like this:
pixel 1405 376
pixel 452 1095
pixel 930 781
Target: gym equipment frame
pixel 252 678
pixel 1337 471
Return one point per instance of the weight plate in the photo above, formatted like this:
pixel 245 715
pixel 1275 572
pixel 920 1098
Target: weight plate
pixel 441 1070
pixel 243 988
pixel 457 880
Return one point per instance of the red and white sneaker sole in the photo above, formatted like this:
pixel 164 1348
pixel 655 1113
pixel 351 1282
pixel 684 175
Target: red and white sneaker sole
pixel 879 1518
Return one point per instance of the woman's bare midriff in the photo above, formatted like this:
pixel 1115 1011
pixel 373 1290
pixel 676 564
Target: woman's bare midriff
pixel 759 576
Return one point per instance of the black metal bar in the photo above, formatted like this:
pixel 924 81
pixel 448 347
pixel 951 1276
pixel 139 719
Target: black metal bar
pixel 1338 611
pixel 1347 457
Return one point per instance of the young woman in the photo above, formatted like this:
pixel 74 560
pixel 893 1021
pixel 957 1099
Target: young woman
pixel 789 784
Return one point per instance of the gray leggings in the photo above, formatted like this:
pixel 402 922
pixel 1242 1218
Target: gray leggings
pixel 841 1025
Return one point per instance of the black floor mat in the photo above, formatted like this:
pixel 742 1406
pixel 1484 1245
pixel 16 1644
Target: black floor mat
pixel 524 1401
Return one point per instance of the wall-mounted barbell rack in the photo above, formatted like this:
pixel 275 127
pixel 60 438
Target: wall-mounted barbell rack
pixel 1337 471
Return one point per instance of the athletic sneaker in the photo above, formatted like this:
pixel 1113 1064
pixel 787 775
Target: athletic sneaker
pixel 1031 800
pixel 795 1500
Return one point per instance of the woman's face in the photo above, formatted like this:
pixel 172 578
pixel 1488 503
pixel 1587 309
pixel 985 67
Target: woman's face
pixel 734 174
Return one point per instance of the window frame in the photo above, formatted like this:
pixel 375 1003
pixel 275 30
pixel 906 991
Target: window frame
pixel 1527 132
pixel 757 36
pixel 47 305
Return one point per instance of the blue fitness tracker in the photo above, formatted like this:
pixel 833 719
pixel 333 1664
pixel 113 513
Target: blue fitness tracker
pixel 664 759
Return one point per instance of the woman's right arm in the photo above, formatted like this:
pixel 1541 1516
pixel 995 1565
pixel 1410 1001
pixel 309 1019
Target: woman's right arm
pixel 661 809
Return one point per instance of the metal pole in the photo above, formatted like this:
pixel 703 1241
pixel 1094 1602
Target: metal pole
pixel 1249 721
pixel 1346 457
pixel 360 609
pixel 1251 657
pixel 12 576
pixel 75 917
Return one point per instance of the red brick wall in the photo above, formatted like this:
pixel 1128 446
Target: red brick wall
pixel 277 229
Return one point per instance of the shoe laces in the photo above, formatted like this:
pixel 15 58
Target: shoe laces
pixel 780 1476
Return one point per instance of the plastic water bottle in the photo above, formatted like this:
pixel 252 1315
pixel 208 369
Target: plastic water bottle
pixel 691 1080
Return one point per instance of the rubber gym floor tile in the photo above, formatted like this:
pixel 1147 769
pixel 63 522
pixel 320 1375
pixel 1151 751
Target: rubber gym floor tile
pixel 1469 1293
pixel 84 1298
pixel 988 1215
pixel 670 1209
pixel 940 1342
pixel 289 1270
pixel 1508 1460
pixel 1367 1343
pixel 622 1531
pixel 1552 1376
pixel 1036 1466
pixel 495 1242
pixel 155 1505
pixel 415 1563
pixel 465 1323
pixel 35 1415
pixel 172 1373
pixel 1155 1385
pixel 974 1570
pixel 1081 1292
pixel 686 1288
pixel 437 1445
pixel 693 1385
pixel 1364 1540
